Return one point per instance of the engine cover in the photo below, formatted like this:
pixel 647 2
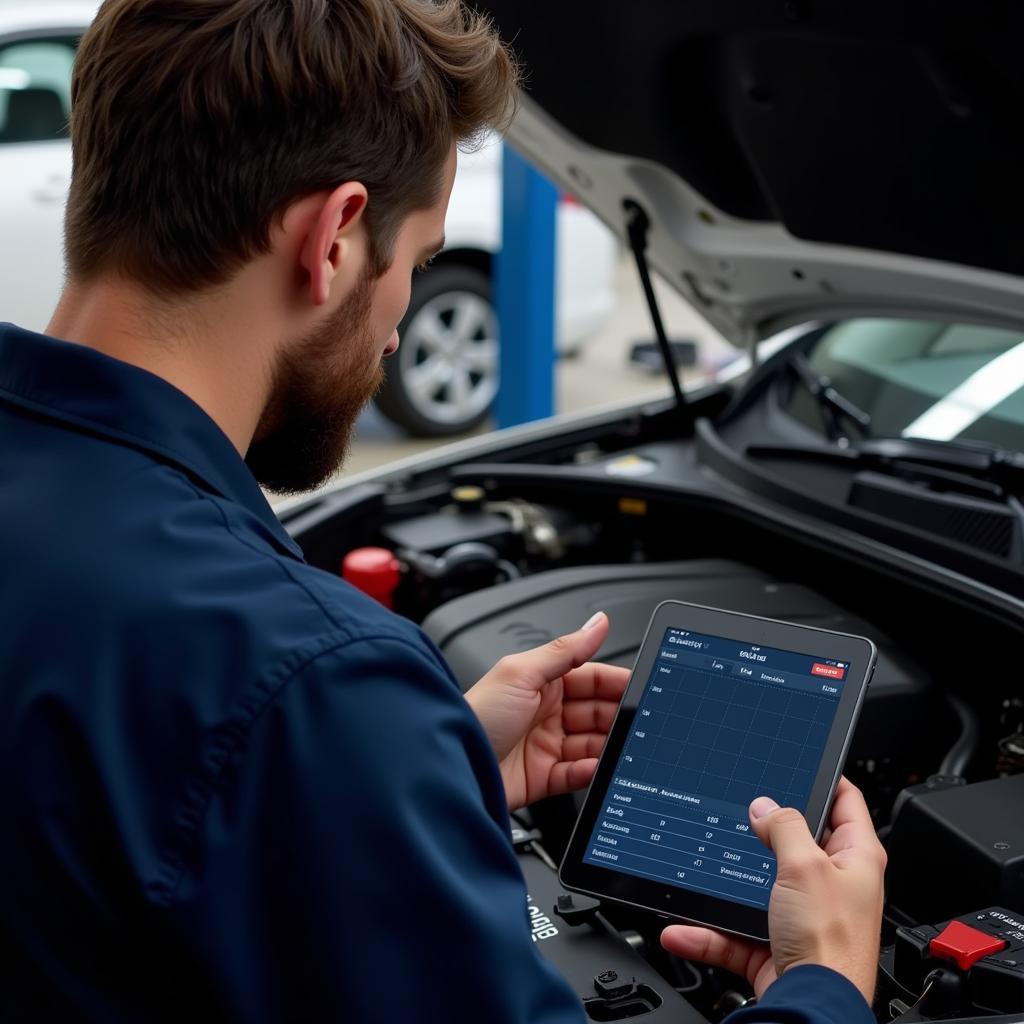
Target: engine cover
pixel 900 718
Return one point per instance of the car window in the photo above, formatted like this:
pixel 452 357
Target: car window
pixel 923 379
pixel 35 89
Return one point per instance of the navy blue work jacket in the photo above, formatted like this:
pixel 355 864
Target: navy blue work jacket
pixel 232 786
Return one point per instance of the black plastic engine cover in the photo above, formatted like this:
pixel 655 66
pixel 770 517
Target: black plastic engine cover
pixel 901 716
pixel 587 952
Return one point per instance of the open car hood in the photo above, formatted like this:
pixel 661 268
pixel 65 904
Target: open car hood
pixel 798 159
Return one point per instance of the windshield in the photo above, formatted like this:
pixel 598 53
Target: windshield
pixel 921 379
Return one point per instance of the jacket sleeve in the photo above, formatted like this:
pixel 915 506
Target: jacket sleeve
pixel 357 864
pixel 807 995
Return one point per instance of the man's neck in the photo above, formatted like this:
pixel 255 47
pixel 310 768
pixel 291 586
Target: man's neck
pixel 208 349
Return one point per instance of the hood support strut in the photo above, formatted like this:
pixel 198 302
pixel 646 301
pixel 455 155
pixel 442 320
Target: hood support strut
pixel 637 226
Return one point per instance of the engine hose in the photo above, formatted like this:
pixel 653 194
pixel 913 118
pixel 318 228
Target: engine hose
pixel 959 756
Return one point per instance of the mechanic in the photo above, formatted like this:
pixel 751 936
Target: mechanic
pixel 234 787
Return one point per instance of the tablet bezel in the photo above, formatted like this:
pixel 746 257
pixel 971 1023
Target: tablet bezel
pixel 676 901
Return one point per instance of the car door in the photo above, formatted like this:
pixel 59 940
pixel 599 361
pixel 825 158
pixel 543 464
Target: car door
pixel 35 171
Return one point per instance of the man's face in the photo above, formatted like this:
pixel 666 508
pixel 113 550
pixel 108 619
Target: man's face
pixel 324 379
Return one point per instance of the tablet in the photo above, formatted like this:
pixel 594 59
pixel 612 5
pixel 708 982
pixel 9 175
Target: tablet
pixel 721 708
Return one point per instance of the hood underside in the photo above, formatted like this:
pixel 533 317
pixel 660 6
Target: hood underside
pixel 798 159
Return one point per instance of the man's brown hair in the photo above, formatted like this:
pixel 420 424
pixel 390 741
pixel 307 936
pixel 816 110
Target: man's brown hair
pixel 195 123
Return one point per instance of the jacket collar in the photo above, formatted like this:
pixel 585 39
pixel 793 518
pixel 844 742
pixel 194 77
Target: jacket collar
pixel 91 391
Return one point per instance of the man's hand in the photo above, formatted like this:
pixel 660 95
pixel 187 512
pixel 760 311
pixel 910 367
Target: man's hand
pixel 826 905
pixel 547 713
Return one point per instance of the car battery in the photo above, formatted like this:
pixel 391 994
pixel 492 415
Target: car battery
pixel 986 948
pixel 973 836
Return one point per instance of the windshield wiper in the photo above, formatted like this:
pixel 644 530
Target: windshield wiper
pixel 980 459
pixel 834 407
pixel 971 467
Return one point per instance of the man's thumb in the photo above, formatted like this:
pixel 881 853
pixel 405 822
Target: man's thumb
pixel 589 637
pixel 531 670
pixel 574 649
pixel 561 655
pixel 782 829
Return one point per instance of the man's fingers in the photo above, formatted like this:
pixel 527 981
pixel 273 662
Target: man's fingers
pixel 850 813
pixel 708 947
pixel 852 828
pixel 567 776
pixel 588 715
pixel 597 680
pixel 583 744
pixel 532 669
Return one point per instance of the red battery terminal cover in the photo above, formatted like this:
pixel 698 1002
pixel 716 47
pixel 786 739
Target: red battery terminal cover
pixel 964 945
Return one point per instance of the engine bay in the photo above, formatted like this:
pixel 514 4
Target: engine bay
pixel 498 556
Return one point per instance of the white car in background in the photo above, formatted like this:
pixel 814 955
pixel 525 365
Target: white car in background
pixel 443 378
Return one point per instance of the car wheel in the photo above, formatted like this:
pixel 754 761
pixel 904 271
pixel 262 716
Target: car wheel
pixel 444 376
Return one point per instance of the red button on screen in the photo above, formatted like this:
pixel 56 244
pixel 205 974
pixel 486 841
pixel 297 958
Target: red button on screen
pixel 830 671
pixel 964 945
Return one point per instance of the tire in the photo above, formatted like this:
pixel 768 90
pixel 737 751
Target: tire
pixel 451 329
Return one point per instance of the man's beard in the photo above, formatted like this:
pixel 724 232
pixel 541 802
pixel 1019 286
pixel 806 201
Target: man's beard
pixel 321 384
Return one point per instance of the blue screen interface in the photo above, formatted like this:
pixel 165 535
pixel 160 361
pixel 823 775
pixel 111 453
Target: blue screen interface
pixel 719 723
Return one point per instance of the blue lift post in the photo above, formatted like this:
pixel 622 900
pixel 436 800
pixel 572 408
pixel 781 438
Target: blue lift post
pixel 525 293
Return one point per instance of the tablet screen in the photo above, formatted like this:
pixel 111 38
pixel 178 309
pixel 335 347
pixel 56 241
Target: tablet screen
pixel 719 723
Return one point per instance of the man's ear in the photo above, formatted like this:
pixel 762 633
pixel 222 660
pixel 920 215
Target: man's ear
pixel 328 249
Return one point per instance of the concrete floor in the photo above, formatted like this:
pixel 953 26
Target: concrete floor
pixel 600 374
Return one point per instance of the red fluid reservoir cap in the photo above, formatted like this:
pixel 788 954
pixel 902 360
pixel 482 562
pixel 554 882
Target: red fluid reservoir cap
pixel 375 571
pixel 964 945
